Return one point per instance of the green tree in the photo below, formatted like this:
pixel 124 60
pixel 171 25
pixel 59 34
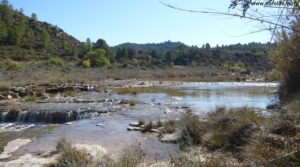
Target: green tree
pixel 88 44
pixel 97 58
pixel 3 31
pixel 101 44
pixel 20 28
pixel 46 38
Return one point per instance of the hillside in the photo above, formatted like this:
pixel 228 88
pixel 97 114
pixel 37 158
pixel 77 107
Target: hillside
pixel 26 38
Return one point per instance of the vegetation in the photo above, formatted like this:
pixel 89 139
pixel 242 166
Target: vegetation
pixel 286 56
pixel 24 38
pixel 131 156
pixel 71 156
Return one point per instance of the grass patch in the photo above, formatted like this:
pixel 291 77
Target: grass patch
pixel 223 129
pixel 14 66
pixel 153 89
pixel 182 160
pixel 131 156
pixel 70 156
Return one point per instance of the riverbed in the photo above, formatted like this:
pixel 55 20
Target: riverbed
pixel 108 126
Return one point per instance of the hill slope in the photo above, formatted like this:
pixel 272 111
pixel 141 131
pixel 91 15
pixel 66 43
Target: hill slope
pixel 24 38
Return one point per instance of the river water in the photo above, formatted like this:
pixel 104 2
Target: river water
pixel 111 132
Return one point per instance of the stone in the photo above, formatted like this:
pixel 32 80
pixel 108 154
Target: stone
pixel 12 147
pixel 134 129
pixel 100 124
pixel 9 97
pixel 171 138
pixel 135 124
pixel 68 123
pixel 154 130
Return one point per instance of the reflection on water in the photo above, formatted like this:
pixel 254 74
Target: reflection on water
pixel 112 134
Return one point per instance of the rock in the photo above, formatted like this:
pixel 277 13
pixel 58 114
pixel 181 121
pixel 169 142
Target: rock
pixel 9 97
pixel 154 130
pixel 134 129
pixel 135 124
pixel 2 97
pixel 68 123
pixel 171 138
pixel 46 96
pixel 12 147
pixel 100 124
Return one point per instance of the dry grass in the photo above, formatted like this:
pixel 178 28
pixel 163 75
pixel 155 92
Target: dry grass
pixel 183 160
pixel 70 156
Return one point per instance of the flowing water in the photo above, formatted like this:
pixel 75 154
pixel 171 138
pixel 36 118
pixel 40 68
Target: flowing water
pixel 113 118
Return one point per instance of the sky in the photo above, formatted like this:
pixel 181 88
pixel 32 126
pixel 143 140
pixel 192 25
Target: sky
pixel 144 21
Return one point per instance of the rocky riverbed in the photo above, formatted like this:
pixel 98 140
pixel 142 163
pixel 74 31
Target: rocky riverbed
pixel 96 114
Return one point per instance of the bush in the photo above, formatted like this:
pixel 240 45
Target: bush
pixel 192 129
pixel 86 63
pixel 286 58
pixel 132 156
pixel 70 156
pixel 56 61
pixel 14 66
pixel 232 128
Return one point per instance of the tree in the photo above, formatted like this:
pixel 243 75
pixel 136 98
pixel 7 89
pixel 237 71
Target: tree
pixel 97 58
pixel 34 17
pixel 5 3
pixel 46 38
pixel 287 60
pixel 101 44
pixel 20 28
pixel 131 53
pixel 88 44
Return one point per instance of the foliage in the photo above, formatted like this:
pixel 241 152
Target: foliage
pixel 249 56
pixel 287 59
pixel 97 58
pixel 14 66
pixel 70 156
pixel 132 156
pixel 86 63
pixel 56 61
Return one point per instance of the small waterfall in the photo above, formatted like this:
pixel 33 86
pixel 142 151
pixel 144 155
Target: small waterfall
pixel 48 116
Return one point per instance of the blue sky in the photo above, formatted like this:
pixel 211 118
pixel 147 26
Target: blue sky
pixel 143 21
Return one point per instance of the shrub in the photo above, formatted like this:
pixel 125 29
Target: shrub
pixel 232 128
pixel 56 61
pixel 192 129
pixel 70 156
pixel 286 58
pixel 132 156
pixel 86 63
pixel 14 66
